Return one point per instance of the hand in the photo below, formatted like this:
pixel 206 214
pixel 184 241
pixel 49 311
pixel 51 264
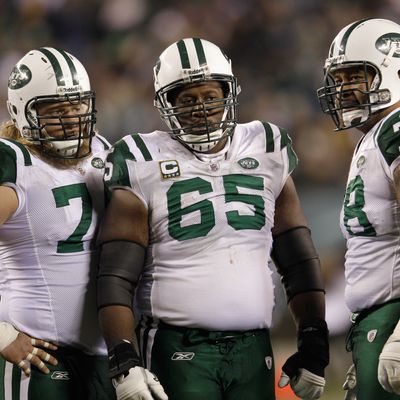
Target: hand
pixel 389 366
pixel 304 370
pixel 305 385
pixel 139 384
pixel 25 350
pixel 350 384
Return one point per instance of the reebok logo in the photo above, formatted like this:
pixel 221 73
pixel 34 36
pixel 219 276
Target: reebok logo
pixel 182 356
pixel 60 375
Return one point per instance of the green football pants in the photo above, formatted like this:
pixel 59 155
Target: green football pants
pixel 366 339
pixel 76 377
pixel 194 364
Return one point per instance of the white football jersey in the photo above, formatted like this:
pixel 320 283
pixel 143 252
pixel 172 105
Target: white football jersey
pixel 370 218
pixel 210 222
pixel 47 246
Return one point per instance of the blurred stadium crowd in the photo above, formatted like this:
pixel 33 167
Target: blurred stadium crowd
pixel 278 48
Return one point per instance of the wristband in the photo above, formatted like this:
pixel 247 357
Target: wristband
pixel 7 335
pixel 122 358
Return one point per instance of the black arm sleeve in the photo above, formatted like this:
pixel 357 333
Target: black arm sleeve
pixel 297 261
pixel 120 266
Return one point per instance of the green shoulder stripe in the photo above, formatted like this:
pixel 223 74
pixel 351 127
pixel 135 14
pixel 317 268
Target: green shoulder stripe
pixel 8 157
pixel 286 142
pixel 142 147
pixel 24 151
pixel 388 138
pixel 269 138
pixel 118 157
pixel 8 165
pixel 103 142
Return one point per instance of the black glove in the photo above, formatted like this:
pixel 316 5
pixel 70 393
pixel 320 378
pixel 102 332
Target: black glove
pixel 305 369
pixel 313 350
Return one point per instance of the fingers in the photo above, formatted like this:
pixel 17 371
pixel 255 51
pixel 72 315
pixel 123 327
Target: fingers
pixel 284 380
pixel 25 368
pixel 43 343
pixel 36 358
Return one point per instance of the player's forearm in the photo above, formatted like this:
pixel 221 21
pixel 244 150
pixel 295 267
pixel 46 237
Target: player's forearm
pixel 117 324
pixel 308 306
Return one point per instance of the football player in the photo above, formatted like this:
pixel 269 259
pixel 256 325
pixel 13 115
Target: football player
pixel 362 90
pixel 193 217
pixel 51 191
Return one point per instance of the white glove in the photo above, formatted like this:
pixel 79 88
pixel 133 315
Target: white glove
pixel 350 384
pixel 139 384
pixel 306 385
pixel 389 366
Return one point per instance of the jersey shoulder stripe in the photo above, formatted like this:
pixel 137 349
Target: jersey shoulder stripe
pixel 106 144
pixel 142 147
pixel 277 139
pixel 118 157
pixel 388 137
pixel 12 153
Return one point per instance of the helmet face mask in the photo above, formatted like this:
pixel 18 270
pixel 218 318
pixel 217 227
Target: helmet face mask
pixel 350 103
pixel 187 63
pixel 51 103
pixel 372 48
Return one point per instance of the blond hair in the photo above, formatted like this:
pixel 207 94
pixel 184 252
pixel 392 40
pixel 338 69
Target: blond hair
pixel 8 130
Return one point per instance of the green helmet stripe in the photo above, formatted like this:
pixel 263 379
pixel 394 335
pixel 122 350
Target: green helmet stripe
pixel 183 54
pixel 71 66
pixel 343 43
pixel 200 52
pixel 269 138
pixel 142 147
pixel 55 64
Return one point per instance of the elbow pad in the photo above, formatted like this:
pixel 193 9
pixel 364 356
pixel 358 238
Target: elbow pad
pixel 297 262
pixel 120 267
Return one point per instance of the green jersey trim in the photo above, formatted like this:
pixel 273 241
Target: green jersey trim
pixel 388 138
pixel 118 157
pixel 104 142
pixel 24 151
pixel 286 141
pixel 8 167
pixel 142 147
pixel 269 138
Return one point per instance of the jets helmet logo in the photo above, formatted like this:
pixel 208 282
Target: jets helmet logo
pixel 20 76
pixel 389 44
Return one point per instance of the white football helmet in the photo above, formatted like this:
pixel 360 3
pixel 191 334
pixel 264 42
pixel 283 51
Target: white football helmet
pixel 50 76
pixel 189 61
pixel 373 45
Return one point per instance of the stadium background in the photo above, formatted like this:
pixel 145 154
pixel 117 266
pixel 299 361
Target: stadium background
pixel 278 48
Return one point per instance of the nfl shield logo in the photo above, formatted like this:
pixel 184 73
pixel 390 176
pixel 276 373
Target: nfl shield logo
pixel 268 361
pixel 371 335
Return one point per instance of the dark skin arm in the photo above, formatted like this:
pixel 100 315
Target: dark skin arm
pixel 289 214
pixel 126 218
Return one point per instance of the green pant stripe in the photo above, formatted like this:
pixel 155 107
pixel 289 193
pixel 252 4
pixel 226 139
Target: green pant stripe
pixel 2 371
pixel 16 382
